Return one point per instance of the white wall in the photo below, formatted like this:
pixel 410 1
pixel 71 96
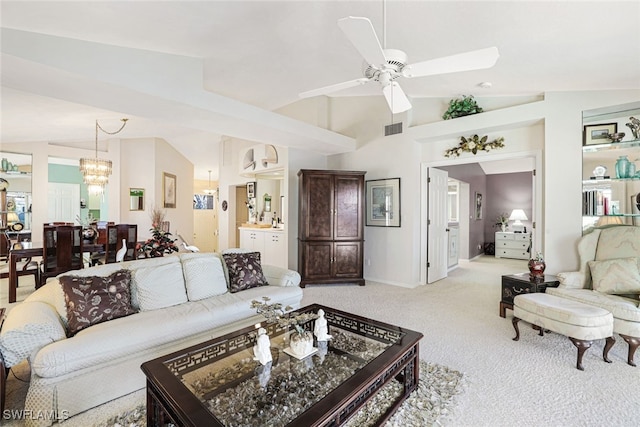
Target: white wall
pixel 143 163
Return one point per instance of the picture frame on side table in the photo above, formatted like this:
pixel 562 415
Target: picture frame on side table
pixel 169 189
pixel 478 206
pixel 383 202
pixel 598 134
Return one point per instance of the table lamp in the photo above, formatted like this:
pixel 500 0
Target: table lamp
pixel 518 215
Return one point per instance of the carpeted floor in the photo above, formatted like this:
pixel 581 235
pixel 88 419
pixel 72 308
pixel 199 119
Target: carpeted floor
pixel 532 382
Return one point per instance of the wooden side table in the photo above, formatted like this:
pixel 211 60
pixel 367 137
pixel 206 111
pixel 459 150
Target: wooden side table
pixel 516 284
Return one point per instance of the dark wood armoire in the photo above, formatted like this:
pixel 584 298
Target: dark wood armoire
pixel 330 226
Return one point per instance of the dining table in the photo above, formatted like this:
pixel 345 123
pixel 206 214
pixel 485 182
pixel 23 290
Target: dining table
pixel 21 250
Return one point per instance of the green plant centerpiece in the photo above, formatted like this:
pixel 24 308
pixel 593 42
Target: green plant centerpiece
pixel 300 339
pixel 474 144
pixel 464 106
pixel 160 242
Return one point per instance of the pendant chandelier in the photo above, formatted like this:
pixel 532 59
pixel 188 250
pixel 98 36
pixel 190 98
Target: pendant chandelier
pixel 209 191
pixel 95 171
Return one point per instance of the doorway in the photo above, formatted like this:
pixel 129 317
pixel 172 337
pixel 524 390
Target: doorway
pixel 242 213
pixel 428 243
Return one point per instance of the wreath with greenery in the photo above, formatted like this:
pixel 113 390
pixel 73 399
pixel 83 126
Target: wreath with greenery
pixel 473 145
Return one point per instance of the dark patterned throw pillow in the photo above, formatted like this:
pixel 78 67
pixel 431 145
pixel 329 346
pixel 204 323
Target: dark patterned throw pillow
pixel 91 300
pixel 245 271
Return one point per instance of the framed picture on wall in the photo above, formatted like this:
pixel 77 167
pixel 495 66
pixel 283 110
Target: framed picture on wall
pixel 478 206
pixel 383 202
pixel 169 190
pixel 598 134
pixel 251 190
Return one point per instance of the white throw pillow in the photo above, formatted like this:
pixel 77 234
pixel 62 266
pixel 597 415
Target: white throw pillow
pixel 204 276
pixel 616 276
pixel 158 286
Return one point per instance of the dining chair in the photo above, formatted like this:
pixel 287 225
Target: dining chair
pixel 62 250
pixel 24 267
pixel 115 235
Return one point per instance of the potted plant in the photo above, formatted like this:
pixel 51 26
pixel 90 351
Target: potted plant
pixel 160 242
pixel 462 107
pixel 300 340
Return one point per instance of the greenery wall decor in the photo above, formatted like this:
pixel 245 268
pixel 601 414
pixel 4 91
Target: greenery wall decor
pixel 473 145
pixel 462 107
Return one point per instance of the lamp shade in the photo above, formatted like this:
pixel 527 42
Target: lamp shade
pixel 518 215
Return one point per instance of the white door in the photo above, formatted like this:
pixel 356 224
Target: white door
pixel 63 202
pixel 437 239
pixel 205 229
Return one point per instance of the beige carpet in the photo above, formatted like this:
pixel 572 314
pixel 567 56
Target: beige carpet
pixel 532 382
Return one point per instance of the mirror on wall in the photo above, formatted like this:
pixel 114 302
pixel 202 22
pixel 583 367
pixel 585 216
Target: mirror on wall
pixel 136 199
pixel 15 200
pixel 610 166
pixel 269 188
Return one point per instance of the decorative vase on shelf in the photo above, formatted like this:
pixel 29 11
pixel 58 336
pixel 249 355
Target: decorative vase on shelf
pixel 5 164
pixel 503 227
pixel 622 167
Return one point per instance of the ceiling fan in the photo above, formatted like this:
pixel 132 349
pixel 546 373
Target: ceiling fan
pixel 386 65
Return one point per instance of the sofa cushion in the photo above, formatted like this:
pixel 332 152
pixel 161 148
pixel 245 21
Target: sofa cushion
pixel 158 286
pixel 245 271
pixel 93 299
pixel 29 327
pixel 616 276
pixel 203 275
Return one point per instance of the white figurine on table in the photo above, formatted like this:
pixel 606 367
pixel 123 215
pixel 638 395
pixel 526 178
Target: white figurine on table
pixel 321 330
pixel 262 349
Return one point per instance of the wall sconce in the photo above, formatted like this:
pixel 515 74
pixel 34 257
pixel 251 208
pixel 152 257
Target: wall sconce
pixel 518 215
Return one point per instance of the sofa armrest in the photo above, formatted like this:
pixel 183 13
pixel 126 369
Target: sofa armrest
pixel 29 326
pixel 279 276
pixel 572 280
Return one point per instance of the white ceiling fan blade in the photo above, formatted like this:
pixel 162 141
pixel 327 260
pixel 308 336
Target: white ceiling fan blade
pixel 333 88
pixel 396 98
pixel 362 35
pixel 474 60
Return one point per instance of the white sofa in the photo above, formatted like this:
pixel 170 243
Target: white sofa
pixel 181 300
pixel 609 277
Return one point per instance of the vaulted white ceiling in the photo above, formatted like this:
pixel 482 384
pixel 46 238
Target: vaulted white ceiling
pixel 190 72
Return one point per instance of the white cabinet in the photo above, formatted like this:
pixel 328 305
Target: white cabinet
pixel 513 245
pixel 271 245
pixel 252 239
pixel 275 249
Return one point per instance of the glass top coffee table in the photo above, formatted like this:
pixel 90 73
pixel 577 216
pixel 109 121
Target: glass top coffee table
pixel 218 383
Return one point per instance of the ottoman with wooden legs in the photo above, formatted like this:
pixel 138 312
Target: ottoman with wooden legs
pixel 582 323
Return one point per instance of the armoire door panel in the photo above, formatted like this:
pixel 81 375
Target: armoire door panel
pixel 348 214
pixel 317 260
pixel 347 261
pixel 319 193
